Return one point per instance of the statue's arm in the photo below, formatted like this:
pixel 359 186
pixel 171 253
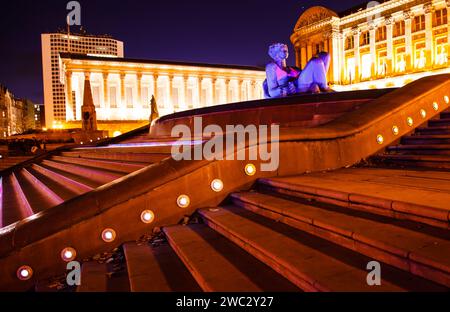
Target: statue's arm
pixel 275 90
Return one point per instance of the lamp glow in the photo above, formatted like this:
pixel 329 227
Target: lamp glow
pixel 380 139
pixel 108 235
pixel 446 99
pixel 24 273
pixel 147 216
pixel 395 130
pixel 423 113
pixel 435 106
pixel 183 201
pixel 250 169
pixel 217 185
pixel 68 254
pixel 409 121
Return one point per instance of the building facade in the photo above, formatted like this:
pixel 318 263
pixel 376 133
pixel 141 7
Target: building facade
pixel 122 88
pixel 16 115
pixel 387 44
pixel 52 45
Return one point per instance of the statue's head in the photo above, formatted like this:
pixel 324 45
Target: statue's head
pixel 279 51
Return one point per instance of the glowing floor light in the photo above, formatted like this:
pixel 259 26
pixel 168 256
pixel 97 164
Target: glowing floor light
pixel 68 254
pixel 147 216
pixel 108 235
pixel 24 273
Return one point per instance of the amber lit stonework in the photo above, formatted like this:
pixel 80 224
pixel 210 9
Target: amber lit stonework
pixel 404 41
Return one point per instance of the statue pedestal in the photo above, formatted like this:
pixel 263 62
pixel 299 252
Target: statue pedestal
pixel 88 137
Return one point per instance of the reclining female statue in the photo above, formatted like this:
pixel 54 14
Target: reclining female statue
pixel 283 80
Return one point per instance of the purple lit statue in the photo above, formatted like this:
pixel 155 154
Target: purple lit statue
pixel 283 80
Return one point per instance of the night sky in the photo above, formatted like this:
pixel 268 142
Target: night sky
pixel 206 31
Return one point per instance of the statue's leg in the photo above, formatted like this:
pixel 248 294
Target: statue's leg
pixel 314 74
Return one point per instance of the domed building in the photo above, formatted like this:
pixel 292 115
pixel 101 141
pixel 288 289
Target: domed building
pixel 378 44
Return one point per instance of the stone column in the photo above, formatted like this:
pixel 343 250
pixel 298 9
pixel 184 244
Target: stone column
pixel 389 45
pixel 309 52
pixel 373 54
pixel 214 100
pixel 139 88
pixel 122 90
pixel 408 39
pixel 429 35
pixel 185 100
pixel 170 103
pixel 304 56
pixel 197 94
pixel 356 34
pixel 155 88
pixel 240 94
pixel 228 98
pixel 105 89
pixel 335 48
pixel 69 88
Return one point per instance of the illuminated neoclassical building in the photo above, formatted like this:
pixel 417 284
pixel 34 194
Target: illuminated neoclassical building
pixel 385 44
pixel 122 88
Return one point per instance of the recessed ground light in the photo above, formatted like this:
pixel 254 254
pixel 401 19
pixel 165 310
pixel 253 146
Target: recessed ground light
pixel 183 201
pixel 380 139
pixel 68 254
pixel 435 106
pixel 108 235
pixel 446 99
pixel 24 273
pixel 250 169
pixel 81 143
pixel 409 121
pixel 423 113
pixel 90 140
pixel 395 130
pixel 147 216
pixel 217 185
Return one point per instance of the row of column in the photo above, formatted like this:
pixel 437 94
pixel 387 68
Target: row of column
pixel 221 90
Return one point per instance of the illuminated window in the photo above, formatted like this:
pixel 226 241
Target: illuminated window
pixel 113 97
pixel 400 62
pixel 381 34
pixel 129 97
pixel 419 23
pixel 364 39
pixel 440 17
pixel 366 65
pixel 382 66
pixel 96 96
pixel 419 56
pixel 441 51
pixel 351 71
pixel 145 97
pixel 350 43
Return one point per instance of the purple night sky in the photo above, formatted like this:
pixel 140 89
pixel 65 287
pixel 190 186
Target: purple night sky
pixel 206 31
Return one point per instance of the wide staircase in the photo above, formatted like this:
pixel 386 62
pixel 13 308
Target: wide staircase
pixel 317 224
pixel 428 146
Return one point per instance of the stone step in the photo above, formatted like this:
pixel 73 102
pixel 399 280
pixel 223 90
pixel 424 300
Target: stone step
pixel 82 180
pixel 441 130
pixel 146 158
pixel 117 166
pixel 415 160
pixel 439 122
pixel 96 175
pixel 101 277
pixel 156 269
pixel 311 263
pixel 71 185
pixel 219 265
pixel 379 238
pixel 382 195
pixel 38 195
pixel 60 189
pixel 94 277
pixel 425 139
pixel 430 149
pixel 14 206
pixel 146 147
